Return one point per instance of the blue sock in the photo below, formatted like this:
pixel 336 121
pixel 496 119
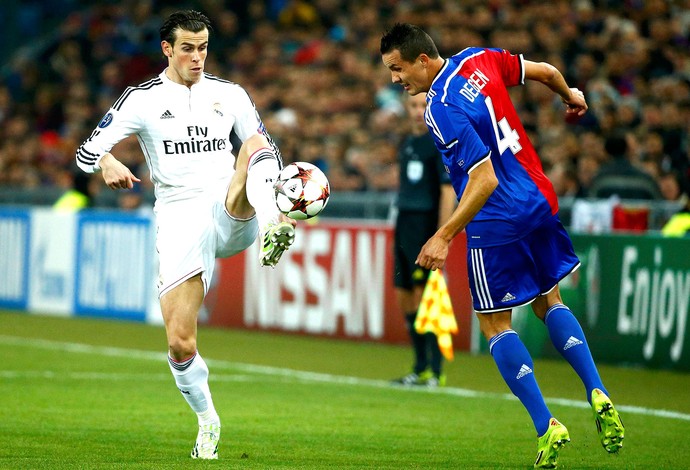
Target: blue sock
pixel 569 339
pixel 515 365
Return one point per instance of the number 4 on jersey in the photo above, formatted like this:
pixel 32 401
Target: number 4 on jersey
pixel 510 139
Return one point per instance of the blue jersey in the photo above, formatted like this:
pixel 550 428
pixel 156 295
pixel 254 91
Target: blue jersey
pixel 471 118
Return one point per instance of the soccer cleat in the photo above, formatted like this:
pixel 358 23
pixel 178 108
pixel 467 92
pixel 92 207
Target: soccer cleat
pixel 548 445
pixel 425 375
pixel 609 424
pixel 409 379
pixel 206 445
pixel 436 381
pixel 276 239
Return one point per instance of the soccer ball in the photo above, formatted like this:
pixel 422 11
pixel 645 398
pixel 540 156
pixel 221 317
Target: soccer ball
pixel 302 190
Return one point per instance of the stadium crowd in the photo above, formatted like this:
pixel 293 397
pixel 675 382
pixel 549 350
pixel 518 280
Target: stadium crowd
pixel 314 71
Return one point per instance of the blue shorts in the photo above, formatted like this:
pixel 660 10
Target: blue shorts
pixel 507 276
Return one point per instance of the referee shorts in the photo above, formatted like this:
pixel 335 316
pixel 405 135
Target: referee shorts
pixel 412 230
pixel 192 234
pixel 507 276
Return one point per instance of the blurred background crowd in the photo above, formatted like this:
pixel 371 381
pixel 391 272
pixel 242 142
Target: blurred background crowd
pixel 314 71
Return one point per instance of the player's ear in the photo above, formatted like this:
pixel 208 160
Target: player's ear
pixel 167 48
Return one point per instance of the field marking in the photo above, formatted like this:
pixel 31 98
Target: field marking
pixel 304 376
pixel 112 376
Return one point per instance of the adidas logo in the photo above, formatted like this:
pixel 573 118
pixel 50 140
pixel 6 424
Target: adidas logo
pixel 572 341
pixel 508 297
pixel 167 115
pixel 524 370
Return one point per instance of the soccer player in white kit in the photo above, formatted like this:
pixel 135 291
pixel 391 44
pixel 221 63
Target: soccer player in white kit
pixel 209 202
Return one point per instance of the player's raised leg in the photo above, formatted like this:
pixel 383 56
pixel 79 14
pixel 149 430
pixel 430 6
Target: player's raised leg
pixel 251 192
pixel 180 307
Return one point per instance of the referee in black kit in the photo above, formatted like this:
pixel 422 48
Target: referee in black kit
pixel 425 200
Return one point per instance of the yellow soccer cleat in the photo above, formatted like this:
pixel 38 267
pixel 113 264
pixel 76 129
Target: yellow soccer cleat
pixel 548 445
pixel 609 425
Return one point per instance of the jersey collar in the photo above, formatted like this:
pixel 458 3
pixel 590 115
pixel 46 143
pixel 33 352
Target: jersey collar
pixel 439 73
pixel 167 79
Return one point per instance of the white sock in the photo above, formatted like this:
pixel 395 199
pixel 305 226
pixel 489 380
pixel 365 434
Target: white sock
pixel 261 175
pixel 191 378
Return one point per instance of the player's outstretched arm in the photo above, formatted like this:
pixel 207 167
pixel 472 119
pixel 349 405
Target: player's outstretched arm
pixel 552 78
pixel 115 174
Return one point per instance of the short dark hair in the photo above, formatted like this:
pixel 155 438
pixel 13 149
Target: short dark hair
pixel 410 40
pixel 187 20
pixel 616 145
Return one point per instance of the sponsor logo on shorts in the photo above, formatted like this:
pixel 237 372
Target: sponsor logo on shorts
pixel 508 297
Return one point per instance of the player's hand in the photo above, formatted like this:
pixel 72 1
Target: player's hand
pixel 433 254
pixel 115 174
pixel 576 104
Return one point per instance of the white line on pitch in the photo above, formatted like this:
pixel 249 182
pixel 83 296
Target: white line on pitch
pixel 307 376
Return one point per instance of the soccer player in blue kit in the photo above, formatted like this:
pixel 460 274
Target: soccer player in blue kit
pixel 518 250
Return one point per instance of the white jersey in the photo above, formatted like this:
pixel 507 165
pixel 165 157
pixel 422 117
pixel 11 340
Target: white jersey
pixel 186 134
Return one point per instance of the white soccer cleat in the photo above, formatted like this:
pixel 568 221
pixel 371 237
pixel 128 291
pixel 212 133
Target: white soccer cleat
pixel 206 446
pixel 275 240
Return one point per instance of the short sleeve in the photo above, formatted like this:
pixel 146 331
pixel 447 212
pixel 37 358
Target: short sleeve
pixel 510 66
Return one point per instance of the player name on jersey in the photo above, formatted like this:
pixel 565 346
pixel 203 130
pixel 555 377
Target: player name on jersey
pixel 475 83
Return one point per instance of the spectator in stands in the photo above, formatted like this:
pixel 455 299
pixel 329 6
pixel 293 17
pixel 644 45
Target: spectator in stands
pixel 77 193
pixel 679 224
pixel 563 176
pixel 670 186
pixel 333 87
pixel 587 167
pixel 619 177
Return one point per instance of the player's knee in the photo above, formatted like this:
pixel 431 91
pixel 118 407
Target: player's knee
pixel 489 332
pixel 491 324
pixel 251 145
pixel 182 347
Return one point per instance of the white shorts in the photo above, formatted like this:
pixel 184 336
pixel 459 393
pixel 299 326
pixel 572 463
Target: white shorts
pixel 191 234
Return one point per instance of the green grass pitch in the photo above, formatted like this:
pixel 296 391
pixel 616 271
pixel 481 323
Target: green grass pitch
pixel 83 393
